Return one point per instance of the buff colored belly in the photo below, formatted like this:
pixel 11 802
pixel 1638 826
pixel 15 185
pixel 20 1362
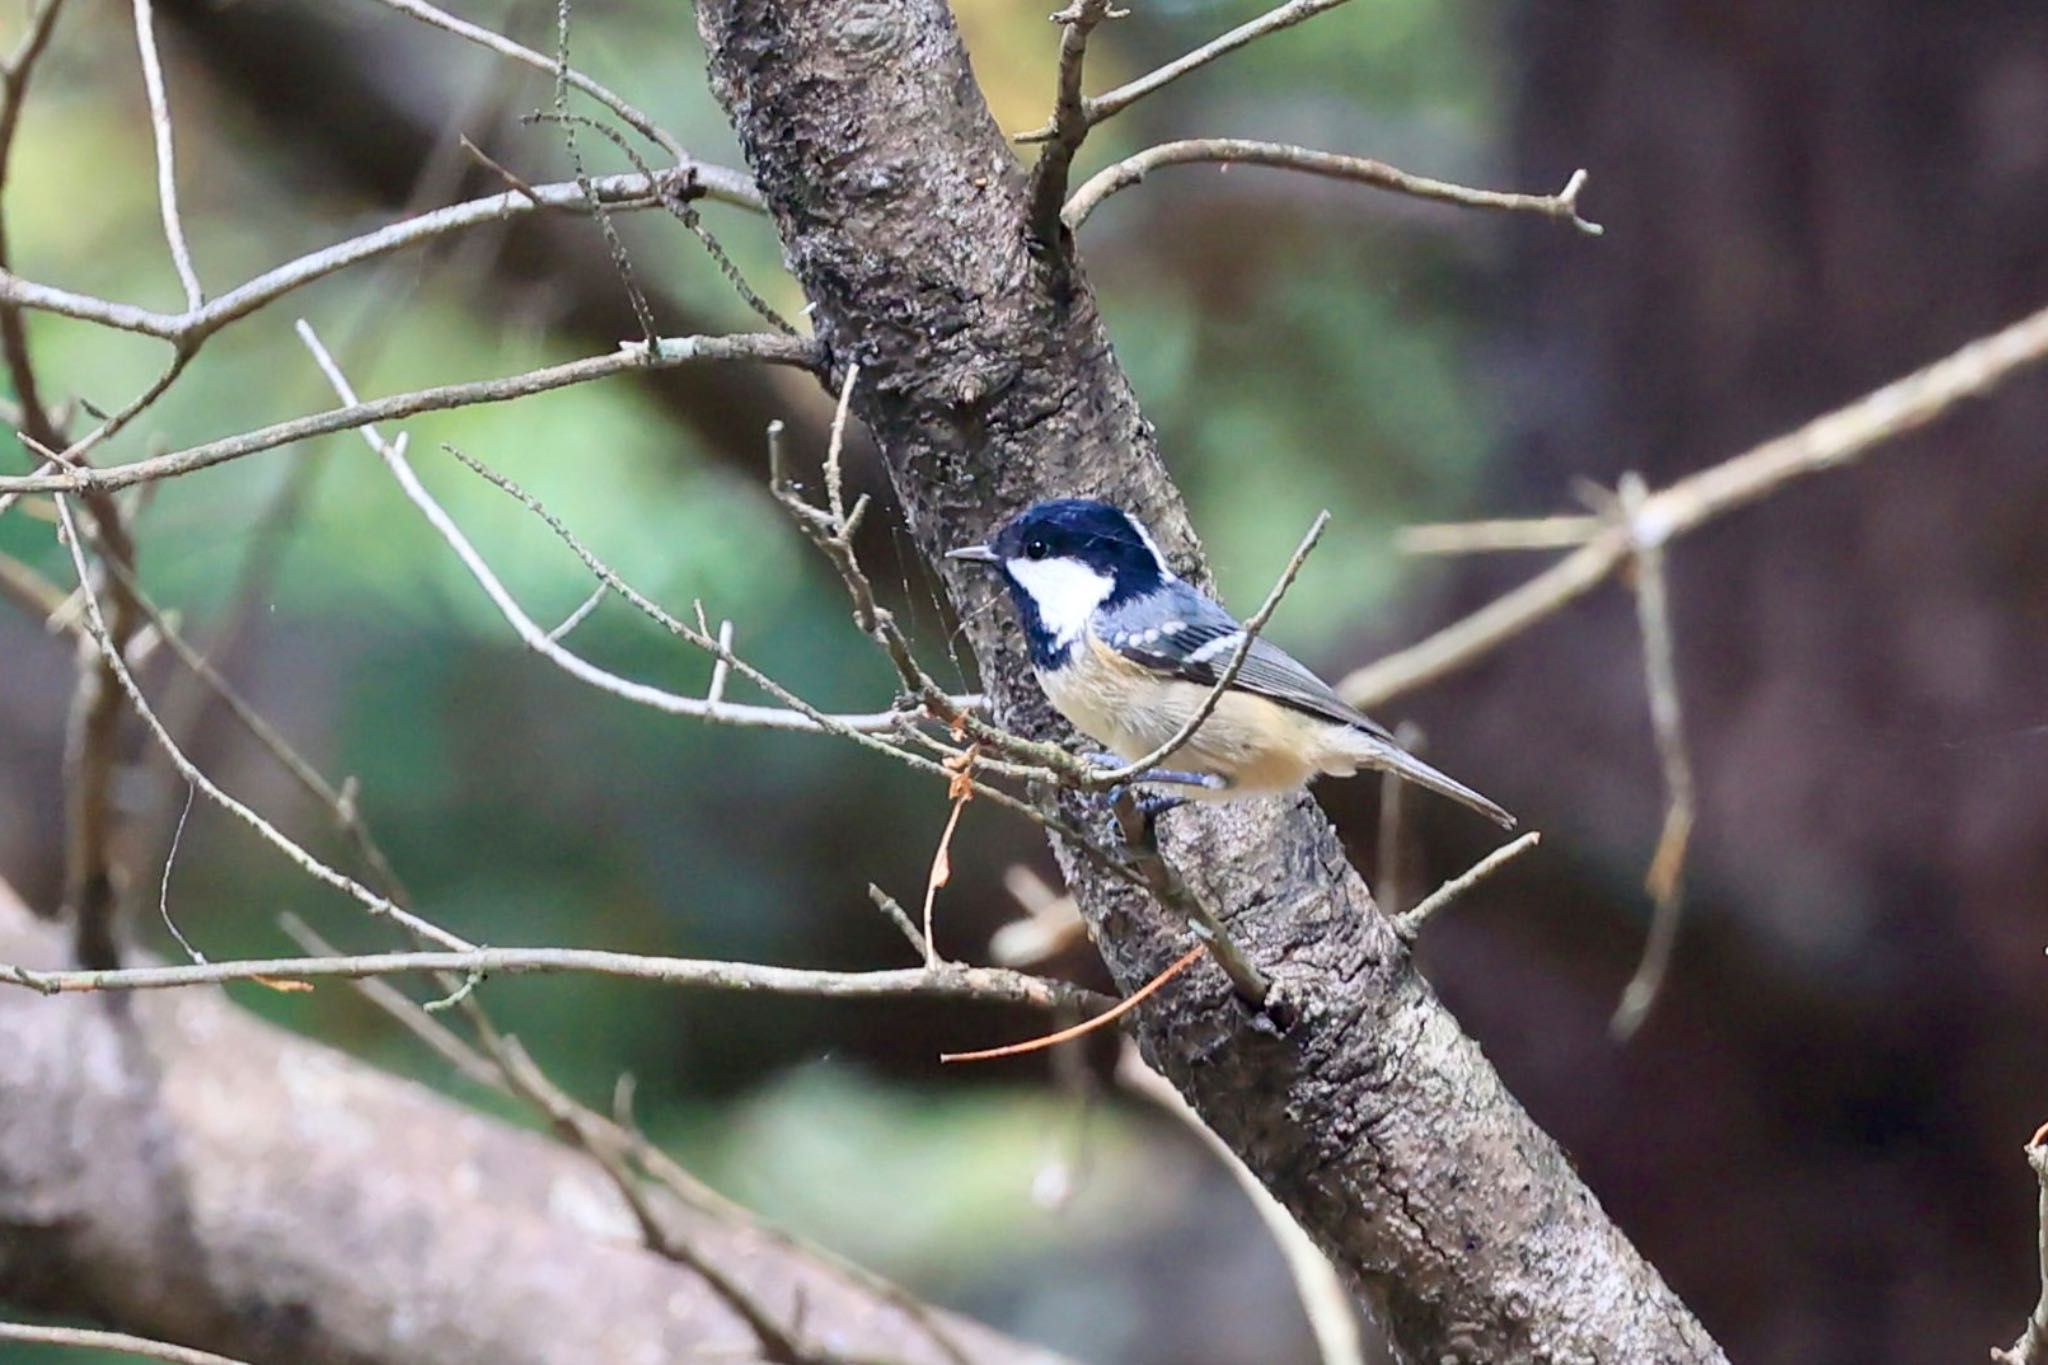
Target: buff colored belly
pixel 1259 746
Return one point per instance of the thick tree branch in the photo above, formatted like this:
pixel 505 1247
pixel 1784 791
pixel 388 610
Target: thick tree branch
pixel 173 1166
pixel 988 380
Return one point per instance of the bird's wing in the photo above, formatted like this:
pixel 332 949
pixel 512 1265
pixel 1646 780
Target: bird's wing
pixel 1198 640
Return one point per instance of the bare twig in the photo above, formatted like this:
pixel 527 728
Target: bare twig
pixel 1562 206
pixel 835 481
pixel 893 910
pixel 541 641
pixel 622 191
pixel 1272 21
pixel 166 162
pixel 163 892
pixel 1484 537
pixel 1666 879
pixel 1332 1316
pixel 700 640
pixel 1409 925
pixel 404 1010
pixel 505 47
pixel 948 980
pixel 673 351
pixel 643 313
pixel 582 614
pixel 1247 637
pixel 1836 438
pixel 721 667
pixel 678 197
pixel 93 1340
pixel 2032 1347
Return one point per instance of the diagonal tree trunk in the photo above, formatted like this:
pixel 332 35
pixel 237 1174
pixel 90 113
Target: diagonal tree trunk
pixel 989 382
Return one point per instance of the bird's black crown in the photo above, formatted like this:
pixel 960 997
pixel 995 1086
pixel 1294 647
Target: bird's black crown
pixel 1103 537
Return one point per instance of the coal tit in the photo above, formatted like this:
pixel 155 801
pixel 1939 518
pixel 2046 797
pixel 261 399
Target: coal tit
pixel 1128 652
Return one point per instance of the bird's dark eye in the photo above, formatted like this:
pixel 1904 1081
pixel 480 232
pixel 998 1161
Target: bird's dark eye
pixel 1035 549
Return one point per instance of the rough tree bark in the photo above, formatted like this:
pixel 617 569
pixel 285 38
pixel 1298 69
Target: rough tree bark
pixel 172 1165
pixel 989 382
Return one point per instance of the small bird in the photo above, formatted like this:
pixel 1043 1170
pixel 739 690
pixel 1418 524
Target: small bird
pixel 1128 652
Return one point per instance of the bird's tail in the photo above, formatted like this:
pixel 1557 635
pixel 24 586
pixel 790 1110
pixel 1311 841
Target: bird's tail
pixel 1387 756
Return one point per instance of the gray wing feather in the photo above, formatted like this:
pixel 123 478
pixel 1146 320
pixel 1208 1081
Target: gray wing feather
pixel 1204 638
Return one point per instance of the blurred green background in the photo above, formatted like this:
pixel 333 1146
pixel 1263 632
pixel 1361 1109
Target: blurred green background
pixel 1801 204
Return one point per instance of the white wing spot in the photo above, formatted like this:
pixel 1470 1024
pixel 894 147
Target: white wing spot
pixel 1221 645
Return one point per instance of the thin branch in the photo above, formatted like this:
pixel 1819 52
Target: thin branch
pixel 721 667
pixel 1272 21
pixel 166 162
pixel 893 910
pixel 404 1010
pixel 505 47
pixel 1325 1300
pixel 1247 637
pixel 643 312
pixel 627 190
pixel 1836 438
pixel 835 482
pixel 1666 878
pixel 1562 207
pixel 582 614
pixel 1486 537
pixel 950 981
pixel 653 611
pixel 92 1340
pixel 16 292
pixel 673 351
pixel 2032 1347
pixel 1409 925
pixel 542 642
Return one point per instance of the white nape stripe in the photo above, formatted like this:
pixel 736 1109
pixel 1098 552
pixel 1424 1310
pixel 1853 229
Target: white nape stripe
pixel 1066 590
pixel 1158 560
pixel 1222 644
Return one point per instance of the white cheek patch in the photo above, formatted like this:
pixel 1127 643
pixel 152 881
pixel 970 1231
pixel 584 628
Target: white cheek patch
pixel 1066 590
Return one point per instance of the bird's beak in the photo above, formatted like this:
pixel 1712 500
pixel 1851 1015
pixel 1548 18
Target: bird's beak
pixel 979 554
